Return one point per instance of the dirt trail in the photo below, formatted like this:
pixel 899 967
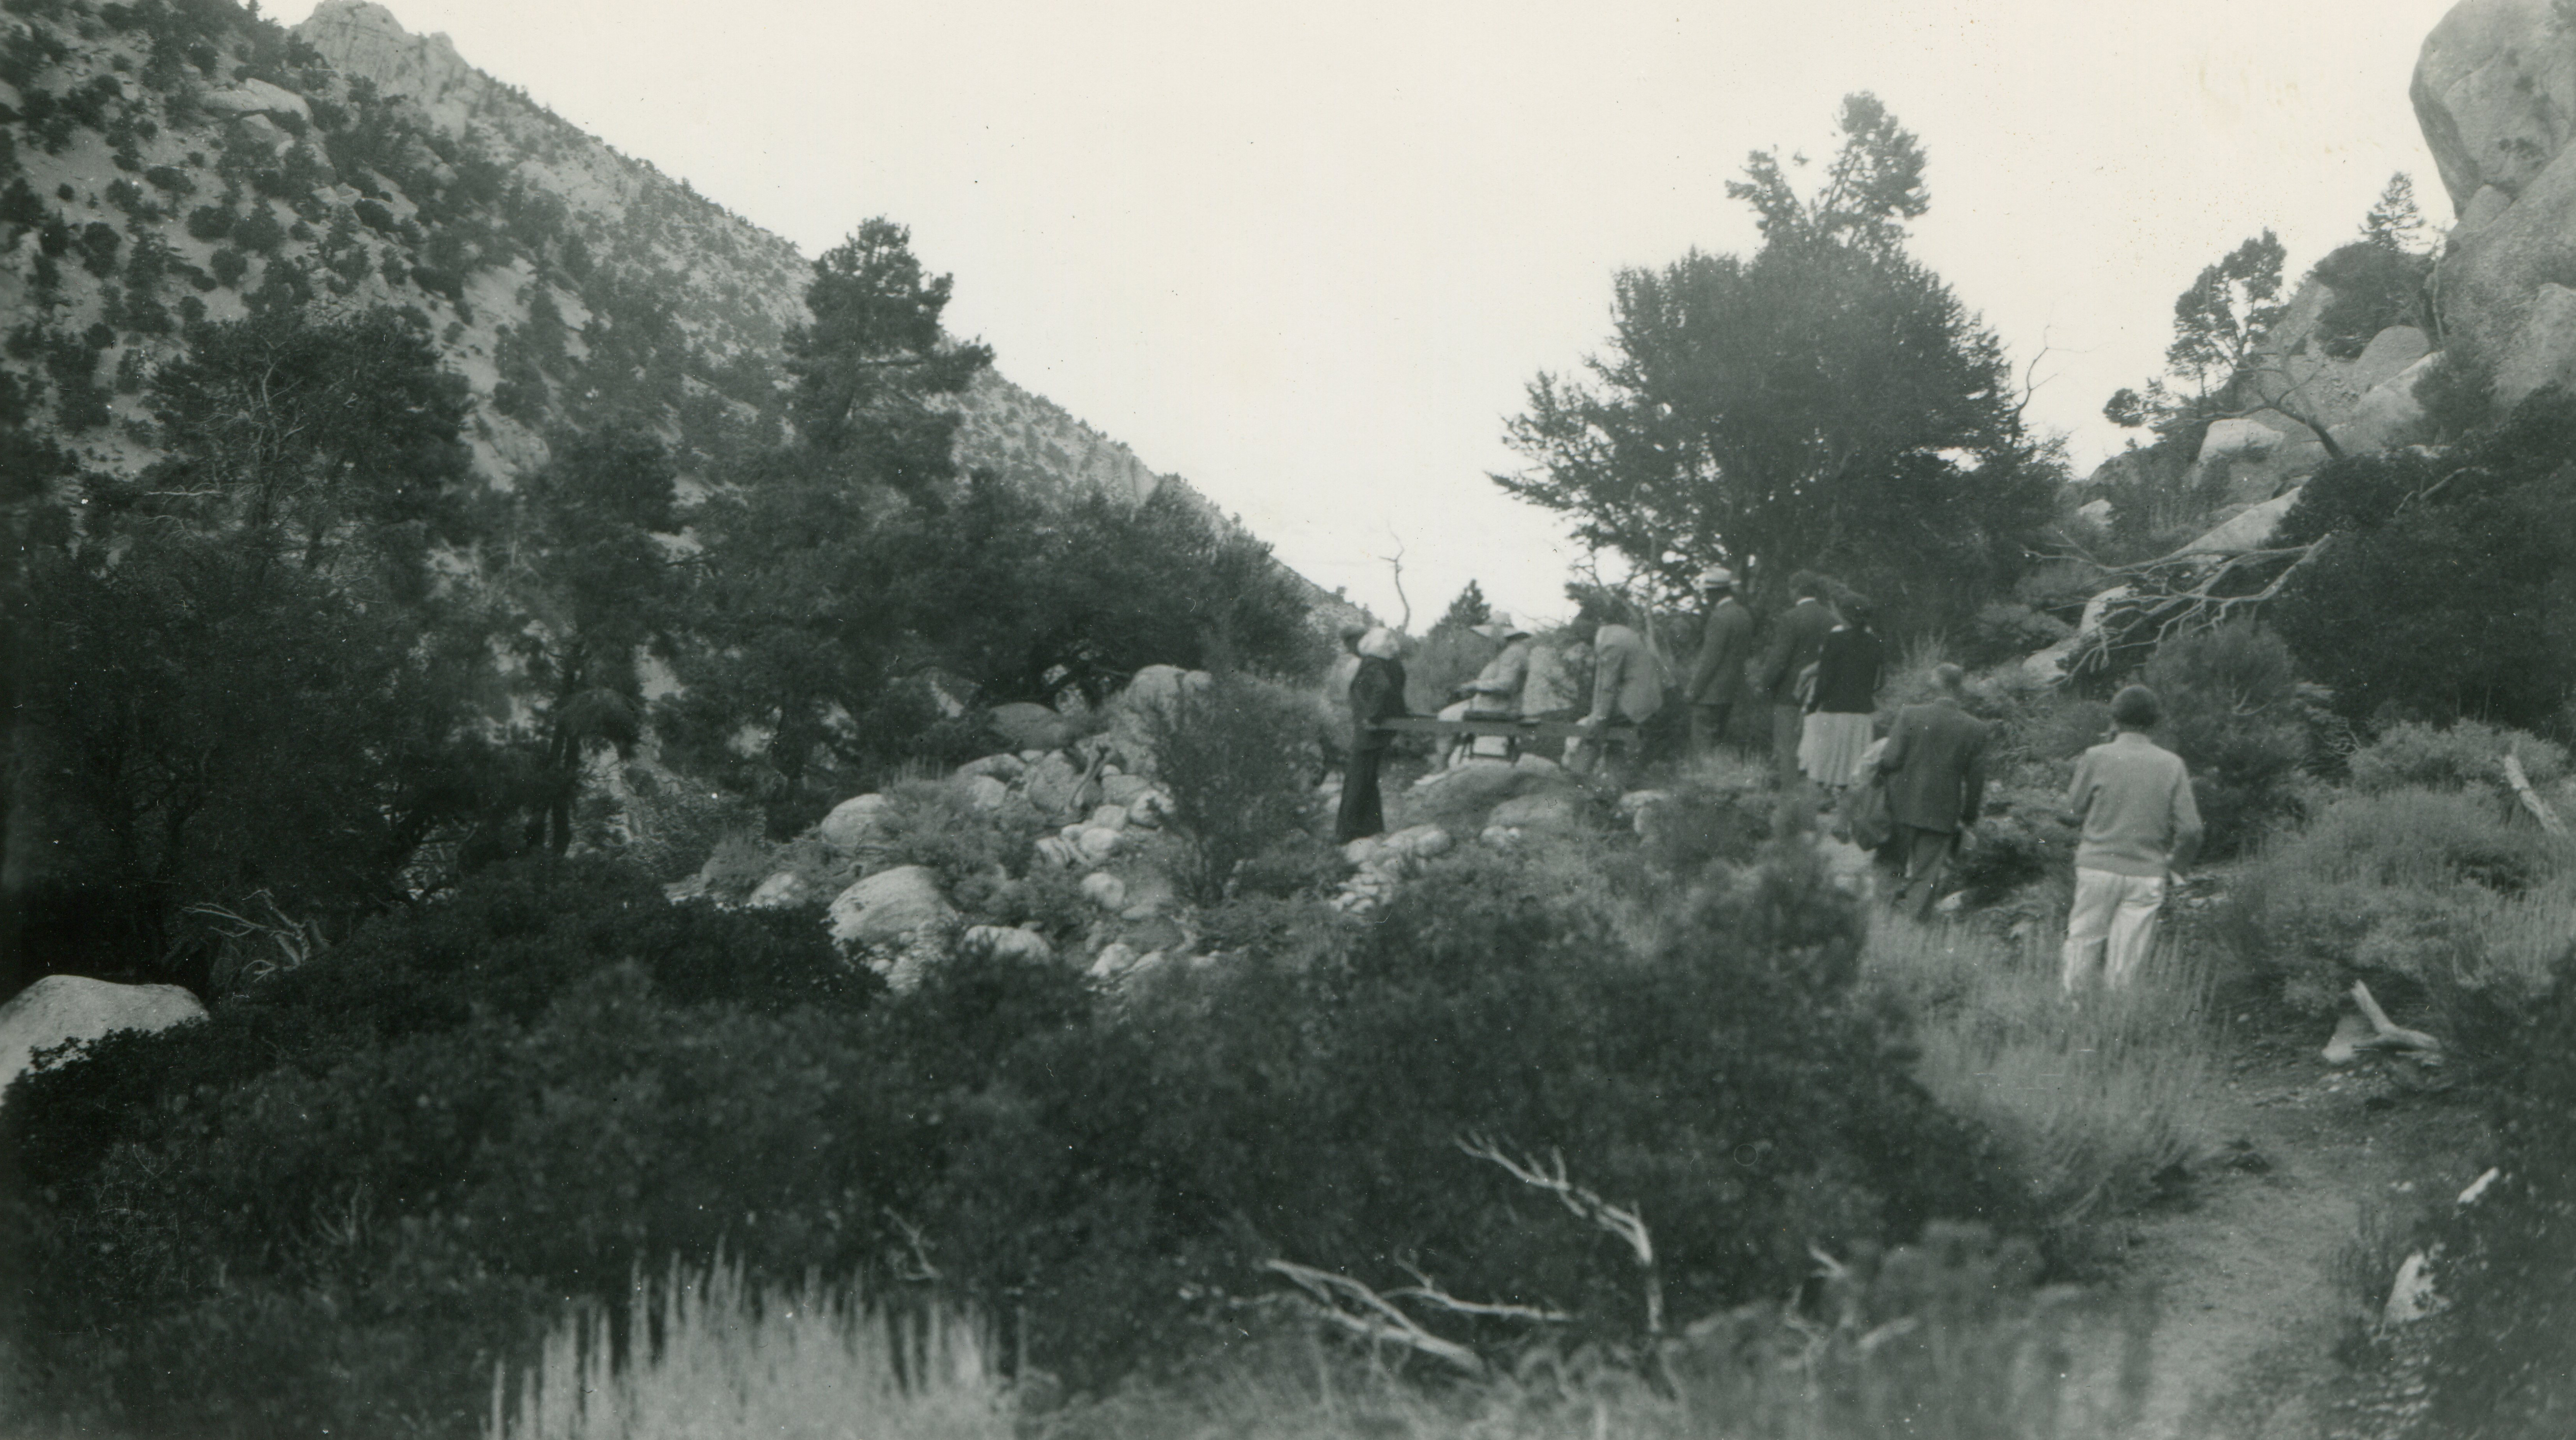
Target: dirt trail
pixel 2248 1266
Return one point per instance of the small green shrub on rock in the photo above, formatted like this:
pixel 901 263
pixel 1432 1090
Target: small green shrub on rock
pixel 1237 756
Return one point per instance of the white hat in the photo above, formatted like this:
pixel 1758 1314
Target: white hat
pixel 1715 577
pixel 1500 626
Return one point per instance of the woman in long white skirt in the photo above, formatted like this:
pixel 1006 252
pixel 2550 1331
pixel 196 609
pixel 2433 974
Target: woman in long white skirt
pixel 1838 725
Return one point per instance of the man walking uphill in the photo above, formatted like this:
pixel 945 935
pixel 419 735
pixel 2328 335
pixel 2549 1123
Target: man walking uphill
pixel 2132 799
pixel 1797 642
pixel 1725 644
pixel 1935 763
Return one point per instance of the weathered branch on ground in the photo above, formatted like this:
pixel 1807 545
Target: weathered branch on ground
pixel 2530 798
pixel 1345 1303
pixel 2372 1032
pixel 1623 1221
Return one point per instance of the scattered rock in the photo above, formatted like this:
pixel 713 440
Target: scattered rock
pixel 1114 957
pixel 1537 765
pixel 856 823
pixel 890 906
pixel 60 1008
pixel 1105 890
pixel 985 792
pixel 1149 810
pixel 254 97
pixel 1364 850
pixel 2412 1297
pixel 1108 817
pixel 1095 843
pixel 1006 942
pixel 781 891
pixel 1421 842
pixel 1032 727
pixel 1153 687
pixel 1005 768
pixel 1051 784
pixel 1057 851
pixel 1120 789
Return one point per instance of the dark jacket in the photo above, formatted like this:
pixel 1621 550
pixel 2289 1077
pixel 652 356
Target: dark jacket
pixel 1935 763
pixel 1847 673
pixel 1797 638
pixel 1725 645
pixel 1377 693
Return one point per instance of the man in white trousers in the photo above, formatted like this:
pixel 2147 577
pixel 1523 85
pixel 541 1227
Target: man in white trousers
pixel 2132 800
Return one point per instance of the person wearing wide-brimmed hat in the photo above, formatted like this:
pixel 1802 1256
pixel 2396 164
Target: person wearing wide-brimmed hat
pixel 1495 693
pixel 1717 676
pixel 1377 693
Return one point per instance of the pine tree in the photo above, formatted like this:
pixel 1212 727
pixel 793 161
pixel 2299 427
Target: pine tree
pixel 1468 609
pixel 2394 223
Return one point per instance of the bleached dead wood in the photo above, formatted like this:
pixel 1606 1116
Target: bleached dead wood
pixel 2530 798
pixel 1622 1221
pixel 2372 1031
pixel 1346 1304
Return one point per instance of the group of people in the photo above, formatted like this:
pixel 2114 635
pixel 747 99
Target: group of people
pixel 1819 675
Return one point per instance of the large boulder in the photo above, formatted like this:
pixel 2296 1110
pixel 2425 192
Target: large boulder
pixel 1554 810
pixel 890 907
pixel 2544 348
pixel 62 1008
pixel 1152 688
pixel 855 823
pixel 2495 93
pixel 257 97
pixel 1053 784
pixel 2390 415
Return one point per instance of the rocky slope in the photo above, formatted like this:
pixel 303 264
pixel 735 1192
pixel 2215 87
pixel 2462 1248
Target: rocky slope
pixel 175 164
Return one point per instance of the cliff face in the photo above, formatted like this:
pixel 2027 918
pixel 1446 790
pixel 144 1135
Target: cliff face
pixel 2495 89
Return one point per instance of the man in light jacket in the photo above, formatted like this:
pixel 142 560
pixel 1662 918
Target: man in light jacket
pixel 1627 684
pixel 2132 800
pixel 1725 647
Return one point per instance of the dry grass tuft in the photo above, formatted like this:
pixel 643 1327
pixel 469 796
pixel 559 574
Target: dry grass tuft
pixel 709 1357
pixel 2093 1101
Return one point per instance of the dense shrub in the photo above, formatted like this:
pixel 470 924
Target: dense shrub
pixel 2446 590
pixel 2463 756
pixel 2235 712
pixel 2503 1365
pixel 1236 755
pixel 2374 286
pixel 2407 889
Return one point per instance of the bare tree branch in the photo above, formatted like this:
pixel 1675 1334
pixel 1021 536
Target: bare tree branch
pixel 1623 1221
pixel 1343 1302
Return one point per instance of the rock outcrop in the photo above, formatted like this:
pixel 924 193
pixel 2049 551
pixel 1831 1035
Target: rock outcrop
pixel 62 1008
pixel 2495 90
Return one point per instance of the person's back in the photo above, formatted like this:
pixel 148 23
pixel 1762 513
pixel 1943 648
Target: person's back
pixel 1935 764
pixel 1626 683
pixel 2135 799
pixel 1847 672
pixel 2132 804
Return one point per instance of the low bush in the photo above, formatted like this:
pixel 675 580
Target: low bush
pixel 2236 713
pixel 2096 1107
pixel 935 823
pixel 1236 756
pixel 2464 755
pixel 2407 889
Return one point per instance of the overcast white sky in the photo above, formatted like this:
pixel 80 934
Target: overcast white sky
pixel 1309 255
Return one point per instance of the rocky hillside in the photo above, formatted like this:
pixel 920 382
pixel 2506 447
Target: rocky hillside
pixel 177 162
pixel 2495 92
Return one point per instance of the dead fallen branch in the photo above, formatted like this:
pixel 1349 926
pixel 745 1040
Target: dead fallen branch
pixel 1346 1304
pixel 2530 798
pixel 2372 1032
pixel 1622 1221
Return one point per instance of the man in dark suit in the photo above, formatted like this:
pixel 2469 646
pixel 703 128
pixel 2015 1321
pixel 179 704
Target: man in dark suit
pixel 1935 764
pixel 1797 642
pixel 1725 645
